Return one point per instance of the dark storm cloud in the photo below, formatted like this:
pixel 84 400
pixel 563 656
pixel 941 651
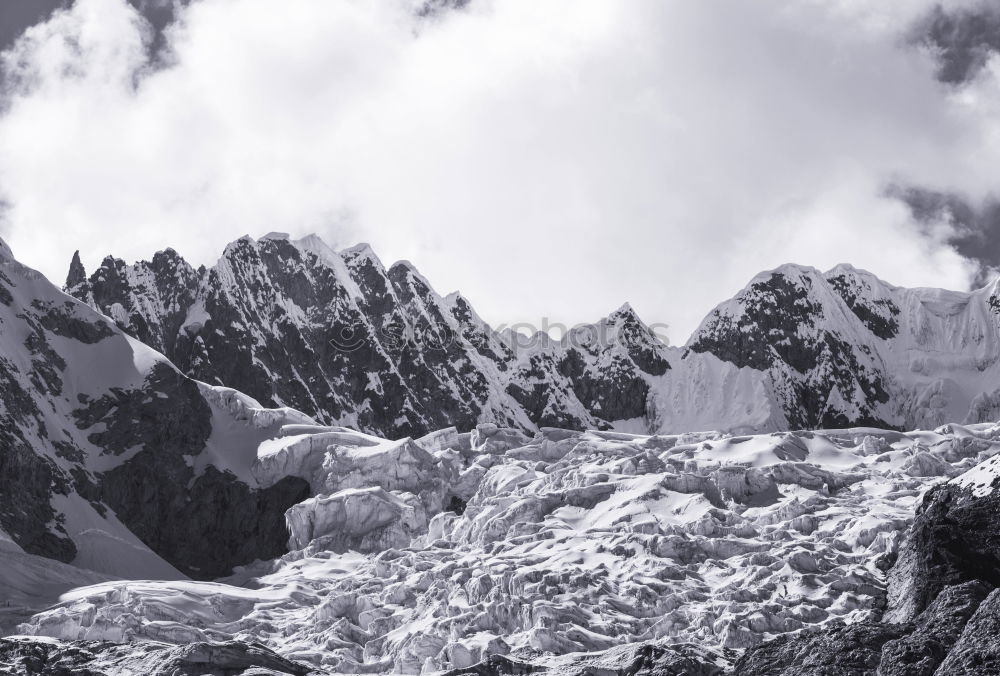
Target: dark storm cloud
pixel 962 39
pixel 159 14
pixel 975 226
pixel 16 15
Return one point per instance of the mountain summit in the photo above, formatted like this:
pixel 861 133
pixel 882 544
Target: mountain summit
pixel 349 341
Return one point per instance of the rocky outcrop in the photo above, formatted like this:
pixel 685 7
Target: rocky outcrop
pixel 976 651
pixel 94 658
pixel 923 647
pixel 853 650
pixel 934 633
pixel 149 300
pixel 295 324
pixel 954 635
pixel 845 348
pixel 632 660
pixel 790 323
pixel 955 538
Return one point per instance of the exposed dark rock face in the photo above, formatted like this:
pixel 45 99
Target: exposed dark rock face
pixel 878 314
pixel 497 665
pixel 545 397
pixel 632 660
pixel 27 657
pixel 27 482
pixel 778 308
pixel 174 423
pixel 853 650
pixel 977 651
pixel 206 530
pixel 936 631
pixel 149 300
pixel 348 341
pixel 780 324
pixel 342 338
pixel 934 644
pixel 620 393
pixel 204 524
pixel 28 479
pixel 63 320
pixel 954 539
pixel 640 344
pixel 76 279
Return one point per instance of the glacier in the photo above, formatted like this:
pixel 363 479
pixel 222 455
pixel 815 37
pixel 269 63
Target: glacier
pixel 568 543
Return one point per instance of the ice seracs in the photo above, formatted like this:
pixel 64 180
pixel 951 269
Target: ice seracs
pixel 416 556
pixel 355 519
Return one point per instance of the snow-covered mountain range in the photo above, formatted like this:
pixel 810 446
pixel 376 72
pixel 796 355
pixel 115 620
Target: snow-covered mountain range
pixel 341 337
pixel 439 507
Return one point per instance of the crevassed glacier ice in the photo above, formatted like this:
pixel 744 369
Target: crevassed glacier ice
pixel 417 556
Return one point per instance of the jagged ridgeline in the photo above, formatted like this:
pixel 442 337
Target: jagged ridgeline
pixel 341 337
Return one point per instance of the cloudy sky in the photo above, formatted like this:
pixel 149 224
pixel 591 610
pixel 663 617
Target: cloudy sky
pixel 550 159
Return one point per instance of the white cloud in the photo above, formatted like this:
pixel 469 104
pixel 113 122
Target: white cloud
pixel 550 158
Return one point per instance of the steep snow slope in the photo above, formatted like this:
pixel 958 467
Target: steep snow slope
pixel 31 583
pixel 847 348
pixel 113 461
pixel 822 363
pixel 424 554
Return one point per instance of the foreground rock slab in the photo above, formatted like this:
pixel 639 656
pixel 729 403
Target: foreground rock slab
pixel 39 657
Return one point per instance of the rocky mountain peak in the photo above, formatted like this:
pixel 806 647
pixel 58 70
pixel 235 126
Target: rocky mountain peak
pixel 868 297
pixel 348 340
pixel 342 337
pixel 77 284
pixel 359 250
pixel 77 273
pixel 795 325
